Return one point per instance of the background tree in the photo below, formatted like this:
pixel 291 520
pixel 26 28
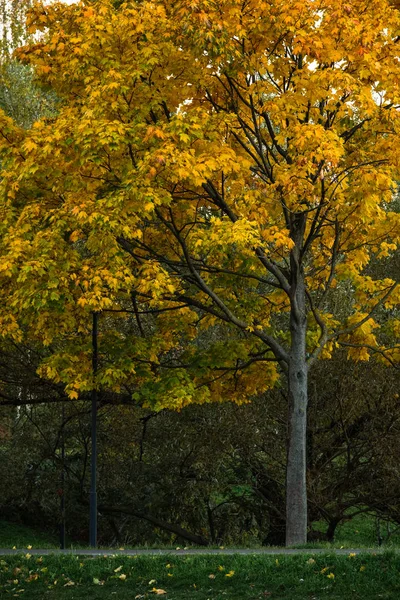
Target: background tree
pixel 20 98
pixel 211 474
pixel 215 171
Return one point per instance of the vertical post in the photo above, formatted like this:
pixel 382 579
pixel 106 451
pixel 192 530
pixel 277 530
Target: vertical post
pixel 62 491
pixel 93 484
pixel 378 531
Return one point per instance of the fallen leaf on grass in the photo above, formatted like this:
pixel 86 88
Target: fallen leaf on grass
pixel 158 591
pixel 324 570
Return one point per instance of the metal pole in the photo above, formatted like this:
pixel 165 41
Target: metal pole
pixel 93 486
pixel 62 499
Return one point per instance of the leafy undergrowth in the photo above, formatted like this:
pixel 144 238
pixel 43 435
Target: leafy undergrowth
pixel 251 577
pixel 360 532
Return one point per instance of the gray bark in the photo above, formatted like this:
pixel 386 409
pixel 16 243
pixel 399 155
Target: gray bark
pixel 296 491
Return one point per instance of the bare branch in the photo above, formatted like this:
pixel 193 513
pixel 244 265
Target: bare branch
pixel 374 350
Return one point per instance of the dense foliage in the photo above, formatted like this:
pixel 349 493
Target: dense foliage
pixel 218 181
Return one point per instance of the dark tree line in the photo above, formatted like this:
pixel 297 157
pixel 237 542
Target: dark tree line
pixel 211 474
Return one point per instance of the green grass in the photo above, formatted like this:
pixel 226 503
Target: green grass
pixel 360 532
pixel 21 536
pixel 251 577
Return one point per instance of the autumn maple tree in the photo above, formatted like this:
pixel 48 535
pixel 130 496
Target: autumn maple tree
pixel 217 176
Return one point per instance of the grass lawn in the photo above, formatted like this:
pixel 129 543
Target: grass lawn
pixel 226 577
pixel 361 532
pixel 12 534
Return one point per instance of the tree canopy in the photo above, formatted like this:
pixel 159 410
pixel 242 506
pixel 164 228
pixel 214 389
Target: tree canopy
pixel 218 174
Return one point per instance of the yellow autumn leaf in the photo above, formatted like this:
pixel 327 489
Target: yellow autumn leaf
pixel 30 145
pixel 324 570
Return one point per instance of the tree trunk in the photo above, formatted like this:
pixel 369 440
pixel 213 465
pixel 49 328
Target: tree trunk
pixel 296 492
pixel 330 532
